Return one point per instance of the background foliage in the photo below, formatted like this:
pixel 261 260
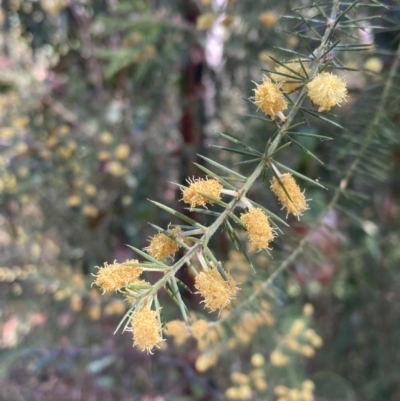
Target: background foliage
pixel 103 104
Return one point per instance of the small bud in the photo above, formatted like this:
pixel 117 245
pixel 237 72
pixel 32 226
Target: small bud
pixel 297 203
pixel 327 90
pixel 269 99
pixel 146 329
pixel 162 247
pixel 258 229
pixel 208 187
pixel 217 292
pixel 116 276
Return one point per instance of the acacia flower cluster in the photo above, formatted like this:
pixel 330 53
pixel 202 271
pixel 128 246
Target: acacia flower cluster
pixel 217 292
pixel 217 287
pixel 192 194
pixel 116 276
pixel 325 89
pixel 297 203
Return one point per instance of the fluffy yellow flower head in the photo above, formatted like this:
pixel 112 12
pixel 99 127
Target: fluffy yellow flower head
pixel 327 90
pixel 258 229
pixel 116 276
pixel 209 187
pixel 199 329
pixel 162 247
pixel 239 378
pixel 281 391
pixel 307 351
pixel 291 82
pixel 278 359
pixel 146 329
pixel 297 203
pixel 178 330
pixel 122 151
pixel 257 360
pixel 74 200
pixel 206 361
pixel 217 292
pixel 268 19
pixel 269 99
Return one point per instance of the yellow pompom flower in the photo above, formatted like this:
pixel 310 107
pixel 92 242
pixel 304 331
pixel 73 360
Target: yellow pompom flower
pixel 297 203
pixel 232 393
pixel 270 99
pixel 290 81
pixel 268 19
pixel 373 65
pixel 281 391
pixel 90 190
pixel 90 211
pixel 122 151
pixel 146 329
pixel 178 330
pixel 205 21
pixel 206 361
pixel 208 187
pixel 278 359
pixel 308 310
pixel 217 292
pixel 245 392
pixel 308 385
pixel 199 329
pixel 239 378
pixel 74 200
pixel 257 360
pixel 327 90
pixel 106 138
pixel 307 351
pixel 162 247
pixel 113 277
pixel 297 328
pixel 258 229
pixel 260 384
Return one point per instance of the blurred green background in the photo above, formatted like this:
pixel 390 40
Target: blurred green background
pixel 103 105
